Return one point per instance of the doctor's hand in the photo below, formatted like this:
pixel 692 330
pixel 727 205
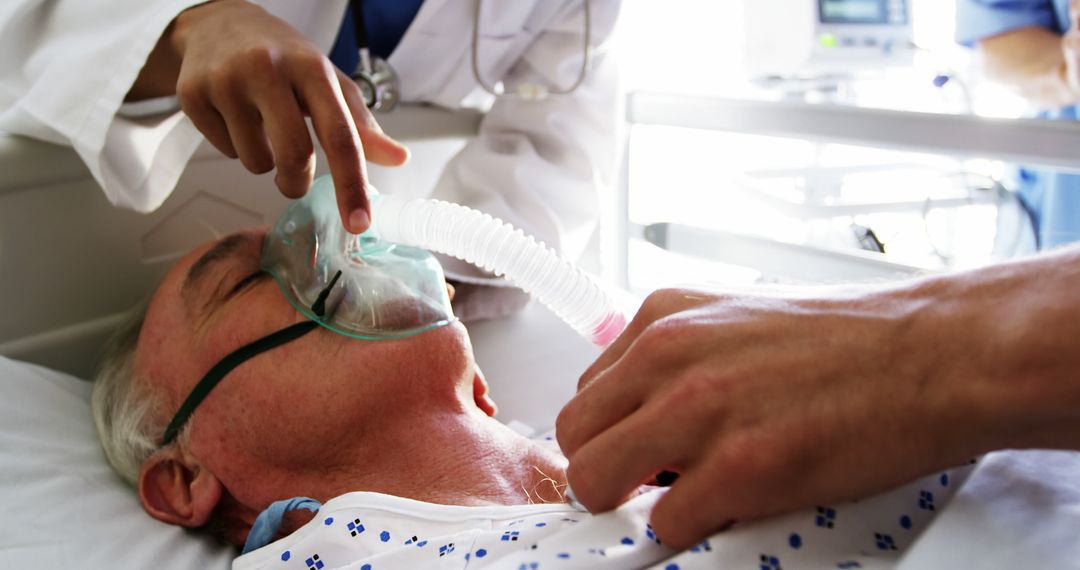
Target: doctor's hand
pixel 248 80
pixel 762 405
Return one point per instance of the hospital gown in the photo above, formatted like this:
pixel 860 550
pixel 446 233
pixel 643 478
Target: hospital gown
pixel 371 531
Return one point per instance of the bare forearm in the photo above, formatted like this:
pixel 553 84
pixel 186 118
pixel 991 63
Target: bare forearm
pixel 1032 61
pixel 1005 341
pixel 158 76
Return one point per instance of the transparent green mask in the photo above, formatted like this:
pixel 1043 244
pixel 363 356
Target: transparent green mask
pixel 383 291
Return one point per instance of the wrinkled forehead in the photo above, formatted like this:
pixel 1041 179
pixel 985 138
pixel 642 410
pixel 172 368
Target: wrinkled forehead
pixel 189 279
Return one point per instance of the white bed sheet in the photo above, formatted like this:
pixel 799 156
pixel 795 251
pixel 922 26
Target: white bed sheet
pixel 64 508
pixel 1020 509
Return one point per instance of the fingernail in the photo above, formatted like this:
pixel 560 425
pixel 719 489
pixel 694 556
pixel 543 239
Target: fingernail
pixel 359 221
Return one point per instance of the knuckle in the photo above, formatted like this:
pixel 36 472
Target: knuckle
pixel 575 475
pixel 260 60
pixel 706 403
pixel 757 467
pixel 702 386
pixel 291 190
pixel 296 155
pixel 222 86
pixel 672 525
pixel 314 61
pixel 258 163
pixel 340 137
pixel 565 430
pixel 586 380
pixel 661 303
pixel 258 167
pixel 656 299
pixel 221 78
pixel 662 333
pixel 666 301
pixel 688 391
pixel 664 293
pixel 583 479
pixel 739 458
pixel 191 95
pixel 310 65
pixel 669 294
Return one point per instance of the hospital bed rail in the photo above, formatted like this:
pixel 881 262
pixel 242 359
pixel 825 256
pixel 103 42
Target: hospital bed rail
pixel 1052 144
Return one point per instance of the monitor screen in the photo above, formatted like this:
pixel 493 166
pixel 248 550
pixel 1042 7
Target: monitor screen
pixel 887 12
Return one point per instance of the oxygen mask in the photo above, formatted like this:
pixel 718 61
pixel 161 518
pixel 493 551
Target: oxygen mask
pixel 362 286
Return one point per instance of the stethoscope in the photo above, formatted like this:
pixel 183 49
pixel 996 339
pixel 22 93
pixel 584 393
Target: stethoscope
pixel 382 89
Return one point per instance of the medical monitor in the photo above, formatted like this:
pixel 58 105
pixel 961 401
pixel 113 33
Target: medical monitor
pixel 880 12
pixel 825 37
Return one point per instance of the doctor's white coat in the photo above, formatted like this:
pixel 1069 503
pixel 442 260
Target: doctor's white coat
pixel 66 65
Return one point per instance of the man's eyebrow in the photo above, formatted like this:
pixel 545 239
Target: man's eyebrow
pixel 222 250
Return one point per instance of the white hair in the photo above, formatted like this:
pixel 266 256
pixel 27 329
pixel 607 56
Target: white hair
pixel 125 411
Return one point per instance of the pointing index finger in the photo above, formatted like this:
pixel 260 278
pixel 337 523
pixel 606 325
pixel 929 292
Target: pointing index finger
pixel 340 140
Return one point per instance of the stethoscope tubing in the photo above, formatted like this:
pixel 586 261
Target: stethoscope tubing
pixel 586 52
pixel 366 72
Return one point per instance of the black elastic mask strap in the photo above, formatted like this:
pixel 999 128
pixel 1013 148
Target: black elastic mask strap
pixel 226 365
pixel 239 356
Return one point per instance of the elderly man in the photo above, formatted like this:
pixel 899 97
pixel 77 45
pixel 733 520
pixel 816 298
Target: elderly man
pixel 396 437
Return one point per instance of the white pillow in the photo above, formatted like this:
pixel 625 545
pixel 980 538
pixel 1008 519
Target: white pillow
pixel 62 505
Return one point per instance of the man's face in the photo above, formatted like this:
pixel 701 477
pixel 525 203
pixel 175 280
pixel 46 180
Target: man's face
pixel 293 406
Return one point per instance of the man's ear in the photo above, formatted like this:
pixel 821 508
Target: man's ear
pixel 480 394
pixel 177 489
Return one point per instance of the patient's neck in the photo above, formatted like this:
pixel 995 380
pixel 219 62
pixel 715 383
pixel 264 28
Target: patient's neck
pixel 452 456
pixel 467 459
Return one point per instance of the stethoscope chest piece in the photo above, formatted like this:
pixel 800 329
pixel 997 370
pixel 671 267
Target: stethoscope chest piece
pixel 379 85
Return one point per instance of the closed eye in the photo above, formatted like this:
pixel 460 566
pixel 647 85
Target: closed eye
pixel 247 282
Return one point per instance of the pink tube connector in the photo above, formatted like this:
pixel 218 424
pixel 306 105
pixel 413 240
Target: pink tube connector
pixel 609 330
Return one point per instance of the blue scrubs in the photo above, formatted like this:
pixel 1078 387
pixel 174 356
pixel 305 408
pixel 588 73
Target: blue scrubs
pixel 1052 198
pixel 385 22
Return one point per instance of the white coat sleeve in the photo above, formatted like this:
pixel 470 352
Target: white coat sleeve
pixel 66 66
pixel 540 165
